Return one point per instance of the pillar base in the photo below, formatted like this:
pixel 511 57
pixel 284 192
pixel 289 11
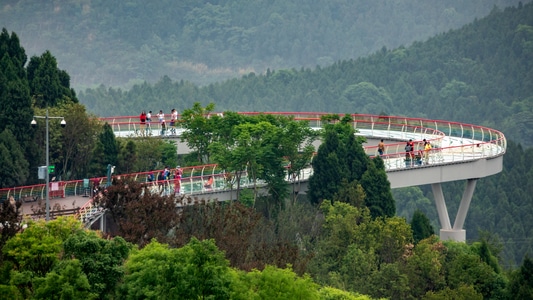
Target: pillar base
pixel 453 235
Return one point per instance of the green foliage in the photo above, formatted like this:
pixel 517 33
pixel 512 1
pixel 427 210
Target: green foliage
pixel 377 190
pixel 340 227
pixel 110 146
pixel 48 83
pixel 14 171
pixel 100 259
pixel 275 283
pixel 197 270
pixel 329 165
pixel 341 159
pixel 421 227
pixel 127 156
pixel 464 292
pixel 329 293
pixel 246 197
pixel 37 248
pixel 466 266
pixel 199 129
pixel 351 193
pixel 67 281
pixel 425 267
pixel 169 156
pixel 521 281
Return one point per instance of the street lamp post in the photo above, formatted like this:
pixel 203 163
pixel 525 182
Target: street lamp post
pixel 47 177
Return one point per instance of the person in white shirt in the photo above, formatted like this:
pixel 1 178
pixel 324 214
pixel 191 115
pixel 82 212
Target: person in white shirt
pixel 161 117
pixel 149 118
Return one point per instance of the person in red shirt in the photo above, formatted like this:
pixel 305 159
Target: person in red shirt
pixel 209 183
pixel 142 118
pixel 177 180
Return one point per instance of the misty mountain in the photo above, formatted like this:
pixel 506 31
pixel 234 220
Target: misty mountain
pixel 119 43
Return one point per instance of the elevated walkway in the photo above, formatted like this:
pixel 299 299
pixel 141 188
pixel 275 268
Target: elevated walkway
pixel 460 152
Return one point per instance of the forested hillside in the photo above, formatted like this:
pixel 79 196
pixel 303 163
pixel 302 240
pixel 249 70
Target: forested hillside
pixel 479 74
pixel 119 42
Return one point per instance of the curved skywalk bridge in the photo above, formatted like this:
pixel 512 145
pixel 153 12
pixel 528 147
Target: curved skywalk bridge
pixel 460 152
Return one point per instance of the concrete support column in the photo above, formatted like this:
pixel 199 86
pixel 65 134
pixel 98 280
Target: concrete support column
pixel 441 206
pixel 465 204
pixel 457 233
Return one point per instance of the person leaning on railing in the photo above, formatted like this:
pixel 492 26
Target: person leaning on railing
pixel 427 149
pixel 142 118
pixel 209 183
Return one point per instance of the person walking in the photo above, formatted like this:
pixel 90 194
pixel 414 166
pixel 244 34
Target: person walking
pixel 381 148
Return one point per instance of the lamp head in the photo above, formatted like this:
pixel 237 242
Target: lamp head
pixel 63 123
pixel 33 123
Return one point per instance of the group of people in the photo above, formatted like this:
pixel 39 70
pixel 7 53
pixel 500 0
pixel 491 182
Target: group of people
pixel 410 151
pixel 165 176
pixel 146 121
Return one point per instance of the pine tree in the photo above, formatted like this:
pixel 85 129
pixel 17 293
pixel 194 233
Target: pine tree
pixel 107 138
pixel 378 192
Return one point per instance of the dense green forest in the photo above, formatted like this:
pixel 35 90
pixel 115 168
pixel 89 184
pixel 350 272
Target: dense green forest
pixel 480 74
pixel 201 41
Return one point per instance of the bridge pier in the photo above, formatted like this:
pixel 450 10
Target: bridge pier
pixel 447 232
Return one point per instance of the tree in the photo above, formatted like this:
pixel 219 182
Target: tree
pixel 46 80
pixel 78 140
pixel 132 207
pixel 521 281
pixel 329 293
pixel 15 167
pixel 275 283
pixel 127 157
pixel 149 154
pixel 425 266
pixel 15 100
pixel 378 192
pixel 199 127
pixel 110 146
pixel 67 281
pixel 464 292
pixel 351 193
pixel 196 271
pixel 464 265
pixel 232 226
pixel 37 248
pixel 339 232
pixel 421 227
pixel 328 169
pixel 30 255
pixel 340 156
pixel 100 259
